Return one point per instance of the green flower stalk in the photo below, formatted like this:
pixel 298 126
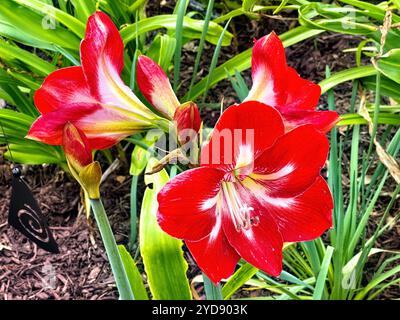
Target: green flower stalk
pixel 88 173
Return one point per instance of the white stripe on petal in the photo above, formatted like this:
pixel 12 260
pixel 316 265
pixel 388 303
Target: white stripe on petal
pixel 289 168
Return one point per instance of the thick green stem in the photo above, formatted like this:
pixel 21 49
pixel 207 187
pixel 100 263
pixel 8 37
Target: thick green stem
pixel 117 267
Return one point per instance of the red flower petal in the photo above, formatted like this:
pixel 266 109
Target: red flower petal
pixel 155 86
pixel 307 216
pixel 301 93
pixel 214 255
pixel 102 49
pixel 321 120
pixel 250 123
pixel 103 127
pixel 293 163
pixel 260 245
pixel 48 128
pixel 76 147
pixel 280 86
pixel 63 87
pixel 102 57
pixel 187 203
pixel 268 66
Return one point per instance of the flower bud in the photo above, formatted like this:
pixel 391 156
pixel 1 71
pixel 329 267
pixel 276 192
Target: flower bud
pixel 187 121
pixel 155 86
pixel 80 160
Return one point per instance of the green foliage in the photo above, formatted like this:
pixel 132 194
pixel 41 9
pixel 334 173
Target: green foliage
pixel 389 65
pixel 191 29
pixel 134 276
pixel 162 255
pixel 16 126
pixel 38 37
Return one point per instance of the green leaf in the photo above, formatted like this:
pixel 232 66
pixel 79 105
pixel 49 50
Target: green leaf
pixel 334 18
pixel 141 155
pixel 30 153
pixel 213 292
pixel 118 11
pixel 66 19
pixel 240 277
pixel 192 29
pixel 162 50
pixel 135 5
pixel 16 126
pixel 346 75
pixel 26 26
pixel 389 65
pixel 9 83
pixel 239 85
pixel 281 6
pixel 84 9
pixel 240 11
pixel 180 9
pixel 376 11
pixel 354 118
pixel 162 255
pixel 28 81
pixel 134 276
pixel 214 59
pixel 12 53
pixel 350 266
pixel 249 4
pixel 389 88
pixel 376 281
pixel 321 279
pixel 200 48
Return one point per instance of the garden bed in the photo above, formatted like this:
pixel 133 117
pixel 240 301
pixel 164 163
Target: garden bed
pixel 81 269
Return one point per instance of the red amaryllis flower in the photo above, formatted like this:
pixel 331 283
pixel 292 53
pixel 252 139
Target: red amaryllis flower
pixel 278 85
pixel 254 191
pixel 156 88
pixel 92 96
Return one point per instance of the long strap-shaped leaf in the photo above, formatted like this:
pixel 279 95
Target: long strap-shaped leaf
pixel 28 27
pixel 66 19
pixel 133 273
pixel 162 255
pixel 9 52
pixel 192 28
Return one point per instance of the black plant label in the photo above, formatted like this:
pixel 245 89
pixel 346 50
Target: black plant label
pixel 26 217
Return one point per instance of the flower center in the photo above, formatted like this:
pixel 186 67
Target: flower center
pixel 239 211
pixel 244 162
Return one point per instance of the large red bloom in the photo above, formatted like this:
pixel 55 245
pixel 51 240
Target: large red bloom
pixel 278 85
pixel 92 96
pixel 256 188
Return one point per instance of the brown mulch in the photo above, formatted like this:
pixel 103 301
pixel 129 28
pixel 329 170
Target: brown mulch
pixel 81 270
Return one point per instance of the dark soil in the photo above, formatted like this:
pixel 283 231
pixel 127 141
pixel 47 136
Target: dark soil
pixel 81 270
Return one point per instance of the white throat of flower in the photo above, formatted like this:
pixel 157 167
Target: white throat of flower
pixel 244 161
pixel 239 212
